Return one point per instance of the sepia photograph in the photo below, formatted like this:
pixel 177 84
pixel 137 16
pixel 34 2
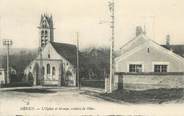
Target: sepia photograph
pixel 91 58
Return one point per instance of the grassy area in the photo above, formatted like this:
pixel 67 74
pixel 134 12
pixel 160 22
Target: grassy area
pixel 147 96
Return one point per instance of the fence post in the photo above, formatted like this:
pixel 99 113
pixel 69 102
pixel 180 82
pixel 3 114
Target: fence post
pixel 107 84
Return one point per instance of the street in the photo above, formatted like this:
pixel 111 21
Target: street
pixel 71 101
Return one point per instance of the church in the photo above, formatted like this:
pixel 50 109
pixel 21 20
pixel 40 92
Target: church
pixel 55 64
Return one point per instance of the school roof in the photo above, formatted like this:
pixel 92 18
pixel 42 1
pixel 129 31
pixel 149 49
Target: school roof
pixel 140 39
pixel 177 49
pixel 68 51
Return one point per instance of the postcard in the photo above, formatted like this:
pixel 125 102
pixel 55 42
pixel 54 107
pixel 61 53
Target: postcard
pixel 91 58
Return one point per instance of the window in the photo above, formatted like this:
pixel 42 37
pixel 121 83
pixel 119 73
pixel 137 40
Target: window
pixel 53 70
pixel 42 32
pixel 0 73
pixel 160 68
pixel 48 68
pixel 46 32
pixel 44 24
pixel 48 55
pixel 148 50
pixel 135 68
pixel 43 71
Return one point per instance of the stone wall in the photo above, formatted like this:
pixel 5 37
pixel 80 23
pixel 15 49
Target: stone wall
pixel 151 81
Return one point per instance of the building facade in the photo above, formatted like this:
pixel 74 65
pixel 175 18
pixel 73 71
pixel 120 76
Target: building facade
pixel 2 76
pixel 144 64
pixel 55 63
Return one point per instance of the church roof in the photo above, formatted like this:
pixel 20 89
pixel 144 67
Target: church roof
pixel 177 49
pixel 68 51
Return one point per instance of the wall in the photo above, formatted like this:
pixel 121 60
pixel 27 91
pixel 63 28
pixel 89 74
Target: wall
pixel 2 76
pixel 151 81
pixel 148 58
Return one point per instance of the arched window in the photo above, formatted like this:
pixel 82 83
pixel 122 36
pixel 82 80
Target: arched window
pixel 48 68
pixel 42 32
pixel 44 24
pixel 46 32
pixel 53 70
pixel 43 71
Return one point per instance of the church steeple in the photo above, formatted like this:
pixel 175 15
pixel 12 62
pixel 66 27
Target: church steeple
pixel 46 30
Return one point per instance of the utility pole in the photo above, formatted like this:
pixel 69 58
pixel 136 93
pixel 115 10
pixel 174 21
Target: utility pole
pixel 78 77
pixel 112 11
pixel 0 28
pixel 40 79
pixel 7 43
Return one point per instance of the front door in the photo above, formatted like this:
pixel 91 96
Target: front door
pixel 36 71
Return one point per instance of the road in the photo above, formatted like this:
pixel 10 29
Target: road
pixel 71 102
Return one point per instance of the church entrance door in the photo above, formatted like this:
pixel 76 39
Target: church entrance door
pixel 62 80
pixel 36 74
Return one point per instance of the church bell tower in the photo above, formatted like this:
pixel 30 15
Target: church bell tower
pixel 46 30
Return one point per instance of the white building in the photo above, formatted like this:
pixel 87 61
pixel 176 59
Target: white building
pixel 145 64
pixel 2 76
pixel 56 62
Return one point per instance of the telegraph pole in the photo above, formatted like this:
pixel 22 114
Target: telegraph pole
pixel 40 79
pixel 112 15
pixel 78 77
pixel 7 43
pixel 0 28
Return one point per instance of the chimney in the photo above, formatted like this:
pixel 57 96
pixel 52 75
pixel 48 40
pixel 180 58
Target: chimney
pixel 168 40
pixel 139 30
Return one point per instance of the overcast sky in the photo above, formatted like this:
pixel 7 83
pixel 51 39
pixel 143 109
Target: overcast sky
pixel 20 18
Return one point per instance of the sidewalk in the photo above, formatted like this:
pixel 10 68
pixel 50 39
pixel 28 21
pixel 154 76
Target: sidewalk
pixel 38 87
pixel 89 91
pixel 97 90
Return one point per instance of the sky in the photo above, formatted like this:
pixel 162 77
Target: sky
pixel 19 20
